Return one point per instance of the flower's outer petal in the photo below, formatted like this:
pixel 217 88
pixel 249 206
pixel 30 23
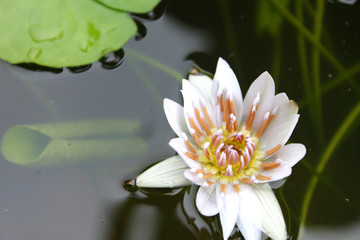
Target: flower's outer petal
pixel 206 201
pixel 228 206
pixel 168 173
pixel 175 115
pixel 203 82
pixel 249 217
pixel 194 98
pixel 283 171
pixel 180 147
pixel 281 126
pixel 277 184
pixel 290 153
pixel 226 83
pixel 273 223
pixel 279 99
pixel 264 85
pixel 193 177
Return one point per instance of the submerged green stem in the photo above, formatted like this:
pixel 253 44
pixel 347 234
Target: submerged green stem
pixel 305 75
pixel 277 59
pixel 316 69
pixel 155 63
pixel 330 149
pixel 230 33
pixel 153 90
pixel 309 36
pixel 352 71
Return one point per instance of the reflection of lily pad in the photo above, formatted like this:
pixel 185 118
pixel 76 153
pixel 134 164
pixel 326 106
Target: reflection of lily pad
pixel 135 6
pixel 69 142
pixel 61 33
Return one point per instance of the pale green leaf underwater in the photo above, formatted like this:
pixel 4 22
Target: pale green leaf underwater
pixel 69 142
pixel 61 33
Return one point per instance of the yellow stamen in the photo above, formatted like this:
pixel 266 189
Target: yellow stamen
pixel 264 125
pixel 222 189
pixel 237 188
pixel 192 149
pixel 199 171
pixel 197 140
pixel 273 150
pixel 205 127
pixel 221 103
pixel 226 110
pixel 193 125
pixel 192 156
pixel 262 177
pixel 247 180
pixel 270 165
pixel 231 107
pixel 207 175
pixel 207 117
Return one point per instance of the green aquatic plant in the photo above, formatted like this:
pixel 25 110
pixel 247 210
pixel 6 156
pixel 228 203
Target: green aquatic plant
pixel 65 33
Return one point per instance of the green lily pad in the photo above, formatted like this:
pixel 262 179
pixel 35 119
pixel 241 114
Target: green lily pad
pixel 135 6
pixel 59 33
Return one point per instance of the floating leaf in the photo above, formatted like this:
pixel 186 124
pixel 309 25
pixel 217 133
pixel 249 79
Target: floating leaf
pixel 135 6
pixel 60 33
pixel 56 143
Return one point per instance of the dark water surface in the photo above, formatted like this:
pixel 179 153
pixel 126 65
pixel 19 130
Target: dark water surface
pixel 83 197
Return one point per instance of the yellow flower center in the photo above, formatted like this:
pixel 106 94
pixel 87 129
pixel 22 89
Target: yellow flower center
pixel 229 154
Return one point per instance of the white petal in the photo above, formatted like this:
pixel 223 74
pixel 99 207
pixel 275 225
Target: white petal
pixel 290 153
pixel 279 99
pixel 175 115
pixel 193 177
pixel 206 201
pixel 277 184
pixel 228 206
pixel 264 85
pixel 249 217
pixel 193 97
pixel 180 147
pixel 281 126
pixel 273 223
pixel 168 173
pixel 226 82
pixel 203 82
pixel 283 171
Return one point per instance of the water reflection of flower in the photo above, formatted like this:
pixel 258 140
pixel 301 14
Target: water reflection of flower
pixel 232 149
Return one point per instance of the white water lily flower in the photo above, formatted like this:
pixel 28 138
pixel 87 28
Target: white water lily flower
pixel 233 149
